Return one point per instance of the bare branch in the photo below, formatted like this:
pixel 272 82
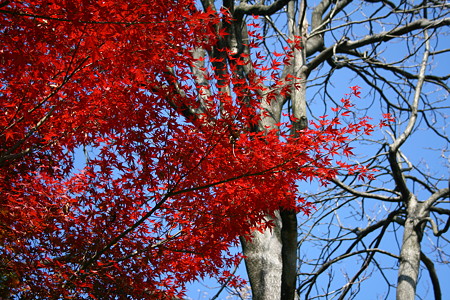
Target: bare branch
pixel 260 9
pixel 442 193
pixel 327 264
pixel 364 194
pixel 347 45
pixel 433 275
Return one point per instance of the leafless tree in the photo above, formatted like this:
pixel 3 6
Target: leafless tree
pixel 390 48
pixel 395 223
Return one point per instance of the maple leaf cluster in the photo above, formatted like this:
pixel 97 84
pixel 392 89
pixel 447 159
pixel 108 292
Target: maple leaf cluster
pixel 165 189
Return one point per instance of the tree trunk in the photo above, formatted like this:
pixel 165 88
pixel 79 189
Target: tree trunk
pixel 410 253
pixel 264 262
pixel 271 259
pixel 289 235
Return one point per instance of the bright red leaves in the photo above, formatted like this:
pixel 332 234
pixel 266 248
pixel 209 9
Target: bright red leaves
pixel 167 184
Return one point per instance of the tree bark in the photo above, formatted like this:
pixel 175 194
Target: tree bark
pixel 288 254
pixel 264 262
pixel 410 253
pixel 271 259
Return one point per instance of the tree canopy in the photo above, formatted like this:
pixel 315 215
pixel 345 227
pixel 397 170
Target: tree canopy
pixel 179 161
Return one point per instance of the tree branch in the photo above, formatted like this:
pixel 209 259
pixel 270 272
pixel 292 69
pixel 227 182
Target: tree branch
pixel 442 193
pixel 433 275
pixel 259 9
pixel 347 45
pixel 364 194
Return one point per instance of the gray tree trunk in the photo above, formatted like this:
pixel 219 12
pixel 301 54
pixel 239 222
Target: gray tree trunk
pixel 264 263
pixel 271 259
pixel 408 272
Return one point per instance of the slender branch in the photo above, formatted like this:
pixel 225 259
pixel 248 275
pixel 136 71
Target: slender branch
pixel 370 195
pixel 414 107
pixel 347 45
pixel 433 275
pixel 394 147
pixel 440 210
pixel 327 264
pixel 436 230
pixel 442 193
pixel 260 9
pixel 225 283
pixel 7 155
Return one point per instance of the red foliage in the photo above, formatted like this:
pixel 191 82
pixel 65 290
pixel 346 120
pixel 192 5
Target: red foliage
pixel 163 197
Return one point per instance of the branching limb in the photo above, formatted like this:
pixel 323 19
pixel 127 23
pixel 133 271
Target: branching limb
pixel 436 230
pixel 260 9
pixel 442 193
pixel 347 45
pixel 394 147
pixel 364 194
pixel 327 264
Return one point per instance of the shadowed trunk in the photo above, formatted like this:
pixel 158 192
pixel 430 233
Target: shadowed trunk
pixel 289 254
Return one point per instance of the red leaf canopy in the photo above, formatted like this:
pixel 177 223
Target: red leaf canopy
pixel 164 189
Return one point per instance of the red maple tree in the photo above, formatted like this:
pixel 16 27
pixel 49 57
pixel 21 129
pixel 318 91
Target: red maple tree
pixel 168 186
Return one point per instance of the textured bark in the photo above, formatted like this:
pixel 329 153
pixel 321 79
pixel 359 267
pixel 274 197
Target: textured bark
pixel 264 263
pixel 271 259
pixel 288 254
pixel 410 254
